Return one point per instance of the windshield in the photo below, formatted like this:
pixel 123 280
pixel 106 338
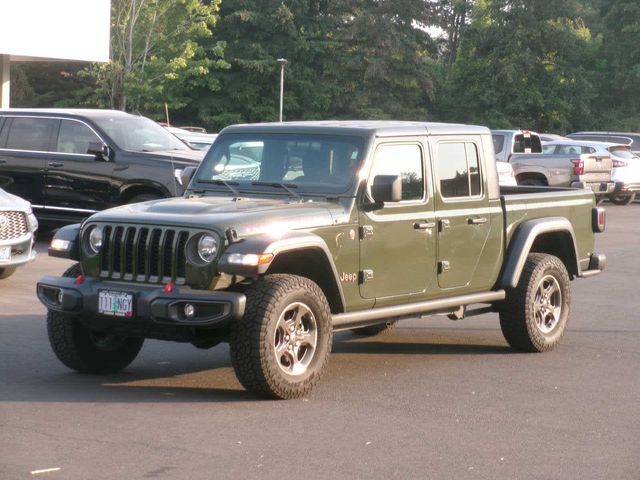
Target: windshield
pixel 139 134
pixel 319 164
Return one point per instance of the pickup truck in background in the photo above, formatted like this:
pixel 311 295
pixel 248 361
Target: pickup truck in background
pixel 345 225
pixel 572 168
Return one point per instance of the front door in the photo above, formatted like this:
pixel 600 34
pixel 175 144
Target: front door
pixel 77 182
pixel 464 215
pixel 398 242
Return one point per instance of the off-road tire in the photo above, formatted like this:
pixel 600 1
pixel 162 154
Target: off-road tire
pixel 622 200
pixel 6 272
pixel 517 313
pixel 253 351
pixel 380 329
pixel 85 351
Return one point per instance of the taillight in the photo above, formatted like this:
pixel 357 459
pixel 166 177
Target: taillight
pixel 578 167
pixel 598 219
pixel 619 163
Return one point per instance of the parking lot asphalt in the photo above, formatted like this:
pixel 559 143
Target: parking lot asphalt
pixel 435 399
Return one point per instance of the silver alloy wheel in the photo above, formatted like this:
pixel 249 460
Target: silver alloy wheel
pixel 295 339
pixel 547 306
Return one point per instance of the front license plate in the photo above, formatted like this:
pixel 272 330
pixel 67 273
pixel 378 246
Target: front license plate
pixel 5 254
pixel 116 304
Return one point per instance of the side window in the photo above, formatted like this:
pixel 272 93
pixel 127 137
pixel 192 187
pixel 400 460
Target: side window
pixel 31 133
pixel 458 166
pixel 74 137
pixel 549 149
pixel 403 160
pixel 498 143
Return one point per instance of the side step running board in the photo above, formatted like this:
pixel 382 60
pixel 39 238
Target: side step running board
pixel 362 318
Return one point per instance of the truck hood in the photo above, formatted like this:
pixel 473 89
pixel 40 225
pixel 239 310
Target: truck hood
pixel 248 216
pixel 11 202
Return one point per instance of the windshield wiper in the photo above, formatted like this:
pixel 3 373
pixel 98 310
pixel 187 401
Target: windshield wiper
pixel 219 181
pixel 285 186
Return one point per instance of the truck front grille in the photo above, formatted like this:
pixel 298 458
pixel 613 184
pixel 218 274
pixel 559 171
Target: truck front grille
pixel 12 225
pixel 143 254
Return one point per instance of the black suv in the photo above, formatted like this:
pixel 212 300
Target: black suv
pixel 72 163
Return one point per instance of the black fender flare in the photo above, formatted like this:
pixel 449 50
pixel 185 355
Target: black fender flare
pixel 521 244
pixel 265 244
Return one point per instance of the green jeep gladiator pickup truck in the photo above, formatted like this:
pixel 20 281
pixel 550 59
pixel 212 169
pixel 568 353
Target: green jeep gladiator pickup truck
pixel 291 231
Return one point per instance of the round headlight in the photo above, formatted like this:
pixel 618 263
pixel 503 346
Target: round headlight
pixel 207 248
pixel 95 239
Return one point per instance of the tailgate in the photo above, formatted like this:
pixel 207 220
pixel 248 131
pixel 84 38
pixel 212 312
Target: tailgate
pixel 596 168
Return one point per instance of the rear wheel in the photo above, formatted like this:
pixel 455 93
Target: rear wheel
pixel 145 197
pixel 6 272
pixel 85 350
pixel 535 313
pixel 532 182
pixel 280 348
pixel 622 199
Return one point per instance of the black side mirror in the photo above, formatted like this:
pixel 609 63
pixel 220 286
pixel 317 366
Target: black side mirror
pixel 386 188
pixel 100 150
pixel 187 175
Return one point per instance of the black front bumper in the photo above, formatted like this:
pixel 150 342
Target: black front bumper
pixel 152 305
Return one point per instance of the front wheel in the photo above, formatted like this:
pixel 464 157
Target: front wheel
pixel 534 315
pixel 85 350
pixel 280 348
pixel 622 199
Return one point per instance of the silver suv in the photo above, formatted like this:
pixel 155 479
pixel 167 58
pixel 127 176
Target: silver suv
pixel 18 226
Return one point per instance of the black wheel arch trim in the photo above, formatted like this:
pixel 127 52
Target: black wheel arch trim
pixel 523 240
pixel 265 244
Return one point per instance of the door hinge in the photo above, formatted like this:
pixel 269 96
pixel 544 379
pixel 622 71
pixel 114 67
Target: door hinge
pixel 444 224
pixel 366 231
pixel 366 275
pixel 444 266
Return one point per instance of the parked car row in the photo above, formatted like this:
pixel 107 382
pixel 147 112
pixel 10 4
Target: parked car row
pixel 603 162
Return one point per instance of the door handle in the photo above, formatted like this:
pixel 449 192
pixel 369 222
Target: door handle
pixel 424 225
pixel 476 221
pixel 55 164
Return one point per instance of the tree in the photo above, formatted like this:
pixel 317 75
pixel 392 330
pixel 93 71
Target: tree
pixel 346 59
pixel 157 54
pixel 524 63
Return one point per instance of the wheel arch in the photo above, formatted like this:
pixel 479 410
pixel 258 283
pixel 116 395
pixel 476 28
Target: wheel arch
pixel 298 253
pixel 532 175
pixel 130 190
pixel 553 236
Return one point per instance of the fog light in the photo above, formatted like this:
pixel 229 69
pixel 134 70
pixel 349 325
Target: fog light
pixel 60 297
pixel 189 310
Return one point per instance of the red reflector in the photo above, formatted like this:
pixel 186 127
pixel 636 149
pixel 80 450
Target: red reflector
pixel 578 167
pixel 168 288
pixel 601 218
pixel 79 280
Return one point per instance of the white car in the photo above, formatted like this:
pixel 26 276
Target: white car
pixel 18 226
pixel 506 177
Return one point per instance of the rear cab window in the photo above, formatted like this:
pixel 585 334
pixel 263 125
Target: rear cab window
pixel 527 142
pixel 30 134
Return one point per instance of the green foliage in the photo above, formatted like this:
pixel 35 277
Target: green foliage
pixel 523 64
pixel 158 55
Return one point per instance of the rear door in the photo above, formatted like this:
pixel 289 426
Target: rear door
pixel 25 149
pixel 77 182
pixel 462 210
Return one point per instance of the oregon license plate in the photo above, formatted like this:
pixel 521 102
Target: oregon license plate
pixel 5 254
pixel 116 304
